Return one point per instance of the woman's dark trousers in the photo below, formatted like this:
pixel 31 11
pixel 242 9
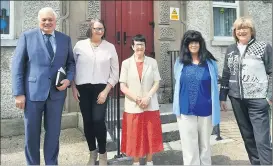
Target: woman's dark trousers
pixel 93 115
pixel 253 119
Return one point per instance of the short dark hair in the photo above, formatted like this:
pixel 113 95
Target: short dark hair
pixel 138 37
pixel 203 53
pixel 91 24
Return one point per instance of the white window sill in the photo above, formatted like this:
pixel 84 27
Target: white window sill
pixel 222 42
pixel 9 42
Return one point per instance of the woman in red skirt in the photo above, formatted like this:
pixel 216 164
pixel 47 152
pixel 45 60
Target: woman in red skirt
pixel 141 125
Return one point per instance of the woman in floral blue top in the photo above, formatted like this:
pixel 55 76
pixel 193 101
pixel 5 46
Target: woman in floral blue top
pixel 196 98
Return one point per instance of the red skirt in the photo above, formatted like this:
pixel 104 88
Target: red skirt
pixel 141 133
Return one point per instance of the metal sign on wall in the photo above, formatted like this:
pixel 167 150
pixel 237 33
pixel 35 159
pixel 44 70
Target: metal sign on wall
pixel 174 13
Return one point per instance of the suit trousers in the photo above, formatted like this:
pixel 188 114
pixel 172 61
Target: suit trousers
pixel 93 115
pixel 34 110
pixel 252 116
pixel 195 134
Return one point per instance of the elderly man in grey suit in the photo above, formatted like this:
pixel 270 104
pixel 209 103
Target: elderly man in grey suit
pixel 39 54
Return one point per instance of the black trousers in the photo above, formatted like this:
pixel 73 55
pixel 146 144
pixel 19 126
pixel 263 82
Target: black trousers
pixel 93 115
pixel 253 120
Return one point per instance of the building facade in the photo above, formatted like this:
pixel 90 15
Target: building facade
pixel 162 22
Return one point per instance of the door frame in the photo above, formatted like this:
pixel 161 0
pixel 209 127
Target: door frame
pixel 118 26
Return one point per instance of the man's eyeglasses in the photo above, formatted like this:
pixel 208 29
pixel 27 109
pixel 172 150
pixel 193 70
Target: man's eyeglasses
pixel 99 29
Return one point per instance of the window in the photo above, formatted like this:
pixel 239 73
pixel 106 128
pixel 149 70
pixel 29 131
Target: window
pixel 7 19
pixel 225 12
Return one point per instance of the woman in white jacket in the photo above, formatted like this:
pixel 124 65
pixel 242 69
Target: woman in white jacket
pixel 141 125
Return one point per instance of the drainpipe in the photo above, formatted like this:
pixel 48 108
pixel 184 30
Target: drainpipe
pixel 64 17
pixel 183 17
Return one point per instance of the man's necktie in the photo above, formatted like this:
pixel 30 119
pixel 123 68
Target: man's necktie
pixel 49 46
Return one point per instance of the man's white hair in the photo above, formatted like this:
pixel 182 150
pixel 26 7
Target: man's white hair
pixel 47 10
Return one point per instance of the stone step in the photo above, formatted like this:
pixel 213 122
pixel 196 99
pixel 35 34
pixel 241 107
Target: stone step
pixel 164 117
pixel 169 131
pixel 172 154
pixel 165 112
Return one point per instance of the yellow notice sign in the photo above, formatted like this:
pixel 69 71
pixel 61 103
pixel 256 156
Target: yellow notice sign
pixel 174 13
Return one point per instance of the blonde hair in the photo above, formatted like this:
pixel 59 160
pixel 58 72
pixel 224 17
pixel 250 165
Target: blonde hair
pixel 243 22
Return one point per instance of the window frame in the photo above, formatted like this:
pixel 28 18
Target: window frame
pixel 225 5
pixel 11 21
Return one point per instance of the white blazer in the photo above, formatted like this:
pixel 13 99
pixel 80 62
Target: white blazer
pixel 129 76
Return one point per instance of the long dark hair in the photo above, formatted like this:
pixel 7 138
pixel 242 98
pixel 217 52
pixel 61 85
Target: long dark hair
pixel 203 53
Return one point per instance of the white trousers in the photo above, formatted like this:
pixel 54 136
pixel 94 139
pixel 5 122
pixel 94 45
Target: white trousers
pixel 195 134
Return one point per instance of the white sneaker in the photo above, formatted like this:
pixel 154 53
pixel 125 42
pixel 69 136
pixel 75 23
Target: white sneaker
pixel 136 163
pixel 150 163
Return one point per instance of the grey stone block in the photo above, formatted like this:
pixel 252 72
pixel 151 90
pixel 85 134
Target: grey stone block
pixel 171 136
pixel 69 120
pixel 165 95
pixel 14 127
pixel 93 9
pixel 167 33
pixel 164 14
pixel 80 122
pixel 168 118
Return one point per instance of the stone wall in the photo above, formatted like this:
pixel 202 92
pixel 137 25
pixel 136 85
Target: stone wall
pixel 199 17
pixel 262 16
pixel 167 38
pixel 8 109
pixel 31 9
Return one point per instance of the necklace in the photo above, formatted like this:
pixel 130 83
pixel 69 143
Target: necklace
pixel 94 45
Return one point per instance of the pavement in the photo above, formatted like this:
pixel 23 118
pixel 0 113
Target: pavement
pixel 73 148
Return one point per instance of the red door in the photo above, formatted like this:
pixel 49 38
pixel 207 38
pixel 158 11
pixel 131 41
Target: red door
pixel 125 19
